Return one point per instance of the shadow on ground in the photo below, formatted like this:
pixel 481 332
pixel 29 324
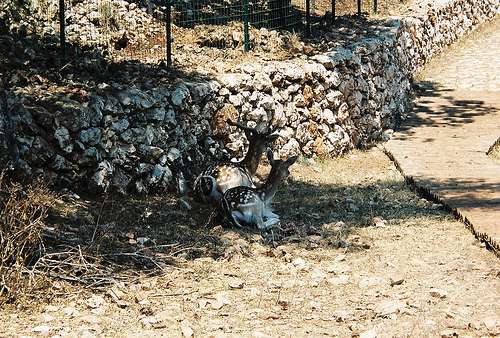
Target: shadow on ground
pixel 437 106
pixel 150 233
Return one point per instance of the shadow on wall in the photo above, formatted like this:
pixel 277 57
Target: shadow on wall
pixel 436 106
pixel 45 92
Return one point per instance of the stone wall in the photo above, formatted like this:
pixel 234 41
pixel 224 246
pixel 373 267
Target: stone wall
pixel 138 138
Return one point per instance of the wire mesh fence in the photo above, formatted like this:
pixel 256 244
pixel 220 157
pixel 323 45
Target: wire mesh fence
pixel 239 14
pixel 144 29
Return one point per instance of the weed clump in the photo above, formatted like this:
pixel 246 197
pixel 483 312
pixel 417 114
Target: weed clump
pixel 23 210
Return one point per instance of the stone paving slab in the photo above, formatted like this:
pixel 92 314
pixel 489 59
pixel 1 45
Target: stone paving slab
pixel 442 147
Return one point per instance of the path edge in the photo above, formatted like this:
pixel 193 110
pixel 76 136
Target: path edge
pixel 428 194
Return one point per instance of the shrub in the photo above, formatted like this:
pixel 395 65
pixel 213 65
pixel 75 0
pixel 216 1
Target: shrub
pixel 22 214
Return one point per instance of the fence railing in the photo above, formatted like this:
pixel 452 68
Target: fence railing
pixel 272 14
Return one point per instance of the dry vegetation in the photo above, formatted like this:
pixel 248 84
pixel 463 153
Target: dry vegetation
pixel 23 212
pixel 208 44
pixel 494 152
pixel 360 252
pixel 98 242
pixel 350 7
pixel 214 44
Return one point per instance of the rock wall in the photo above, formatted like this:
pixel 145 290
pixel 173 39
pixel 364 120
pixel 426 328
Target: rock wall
pixel 139 138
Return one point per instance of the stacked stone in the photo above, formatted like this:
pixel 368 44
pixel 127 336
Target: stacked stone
pixel 438 25
pixel 326 105
pixel 142 137
pixel 124 138
pixel 98 23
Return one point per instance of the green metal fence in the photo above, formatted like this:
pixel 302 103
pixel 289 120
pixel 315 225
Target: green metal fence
pixel 272 14
pixel 246 15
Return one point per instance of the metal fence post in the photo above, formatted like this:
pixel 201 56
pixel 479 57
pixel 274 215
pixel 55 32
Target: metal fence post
pixel 375 5
pixel 168 33
pixel 333 9
pixel 246 24
pixel 359 7
pixel 62 29
pixel 308 17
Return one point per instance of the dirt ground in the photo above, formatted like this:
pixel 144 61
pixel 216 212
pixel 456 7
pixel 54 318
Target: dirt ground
pixel 212 48
pixel 360 255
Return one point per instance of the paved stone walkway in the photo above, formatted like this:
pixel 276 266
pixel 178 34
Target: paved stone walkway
pixel 443 144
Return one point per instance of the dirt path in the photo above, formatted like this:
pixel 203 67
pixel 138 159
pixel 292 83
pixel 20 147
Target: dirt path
pixel 444 144
pixel 444 281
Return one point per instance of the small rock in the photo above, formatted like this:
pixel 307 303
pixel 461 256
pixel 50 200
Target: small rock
pixel 438 293
pixel 299 263
pixel 333 226
pixel 387 135
pixel 63 138
pixel 368 334
pixel 379 222
pixel 144 241
pixel 186 329
pixel 95 301
pixel 317 275
pixel 71 312
pixel 389 307
pixel 120 125
pixel 315 305
pixel 492 324
pixel 340 280
pixel 342 315
pixel 449 334
pixel 236 284
pixel 148 321
pixel 173 155
pixel 180 95
pixel 367 282
pixel 42 329
pixel 47 318
pixel 219 302
pixel 90 136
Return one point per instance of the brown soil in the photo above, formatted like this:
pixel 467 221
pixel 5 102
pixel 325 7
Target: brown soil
pixel 210 48
pixel 350 7
pixel 413 271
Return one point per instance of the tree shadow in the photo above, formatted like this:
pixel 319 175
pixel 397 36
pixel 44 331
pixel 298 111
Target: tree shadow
pixel 45 89
pixel 463 193
pixel 147 234
pixel 437 106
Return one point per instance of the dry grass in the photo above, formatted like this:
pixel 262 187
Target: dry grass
pixel 244 284
pixel 23 211
pixel 350 7
pixel 100 242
